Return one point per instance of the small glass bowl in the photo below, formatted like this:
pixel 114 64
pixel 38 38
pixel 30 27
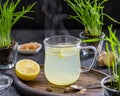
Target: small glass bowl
pixel 5 83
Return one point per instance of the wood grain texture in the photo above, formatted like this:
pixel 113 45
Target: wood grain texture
pixel 41 87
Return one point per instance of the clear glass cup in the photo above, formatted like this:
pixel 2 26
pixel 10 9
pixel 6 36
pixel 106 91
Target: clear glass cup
pixel 5 83
pixel 8 56
pixel 62 59
pixel 106 87
pixel 98 45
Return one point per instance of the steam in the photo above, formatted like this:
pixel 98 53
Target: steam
pixel 54 18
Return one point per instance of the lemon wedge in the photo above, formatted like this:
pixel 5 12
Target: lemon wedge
pixel 27 69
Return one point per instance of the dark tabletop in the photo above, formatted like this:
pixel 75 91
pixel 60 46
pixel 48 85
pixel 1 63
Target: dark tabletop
pixel 25 36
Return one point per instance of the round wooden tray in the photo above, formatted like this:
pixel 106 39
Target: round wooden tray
pixel 41 87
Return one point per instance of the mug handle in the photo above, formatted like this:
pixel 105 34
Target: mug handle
pixel 93 61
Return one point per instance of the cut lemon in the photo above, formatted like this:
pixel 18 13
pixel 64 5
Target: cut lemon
pixel 27 69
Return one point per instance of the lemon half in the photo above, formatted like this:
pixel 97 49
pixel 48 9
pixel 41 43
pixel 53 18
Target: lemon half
pixel 27 69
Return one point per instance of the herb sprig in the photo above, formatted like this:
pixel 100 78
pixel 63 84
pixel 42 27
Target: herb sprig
pixel 115 48
pixel 8 17
pixel 90 14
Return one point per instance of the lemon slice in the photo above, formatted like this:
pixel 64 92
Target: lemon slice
pixel 27 69
pixel 64 52
pixel 52 51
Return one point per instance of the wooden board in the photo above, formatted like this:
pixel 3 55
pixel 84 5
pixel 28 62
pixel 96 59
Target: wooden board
pixel 41 87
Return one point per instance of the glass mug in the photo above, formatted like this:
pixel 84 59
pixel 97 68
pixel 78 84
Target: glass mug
pixel 62 59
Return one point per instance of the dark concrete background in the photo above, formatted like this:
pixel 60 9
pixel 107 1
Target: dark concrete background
pixel 51 14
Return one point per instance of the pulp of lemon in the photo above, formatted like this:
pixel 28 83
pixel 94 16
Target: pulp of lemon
pixel 27 69
pixel 62 64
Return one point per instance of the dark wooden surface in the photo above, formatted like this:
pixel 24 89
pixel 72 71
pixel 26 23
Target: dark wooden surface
pixel 40 86
pixel 23 36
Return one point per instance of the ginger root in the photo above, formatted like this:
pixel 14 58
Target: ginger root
pixel 106 59
pixel 30 46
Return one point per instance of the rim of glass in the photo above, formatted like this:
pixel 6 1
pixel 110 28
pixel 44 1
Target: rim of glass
pixel 78 41
pixel 9 81
pixel 82 36
pixel 105 87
